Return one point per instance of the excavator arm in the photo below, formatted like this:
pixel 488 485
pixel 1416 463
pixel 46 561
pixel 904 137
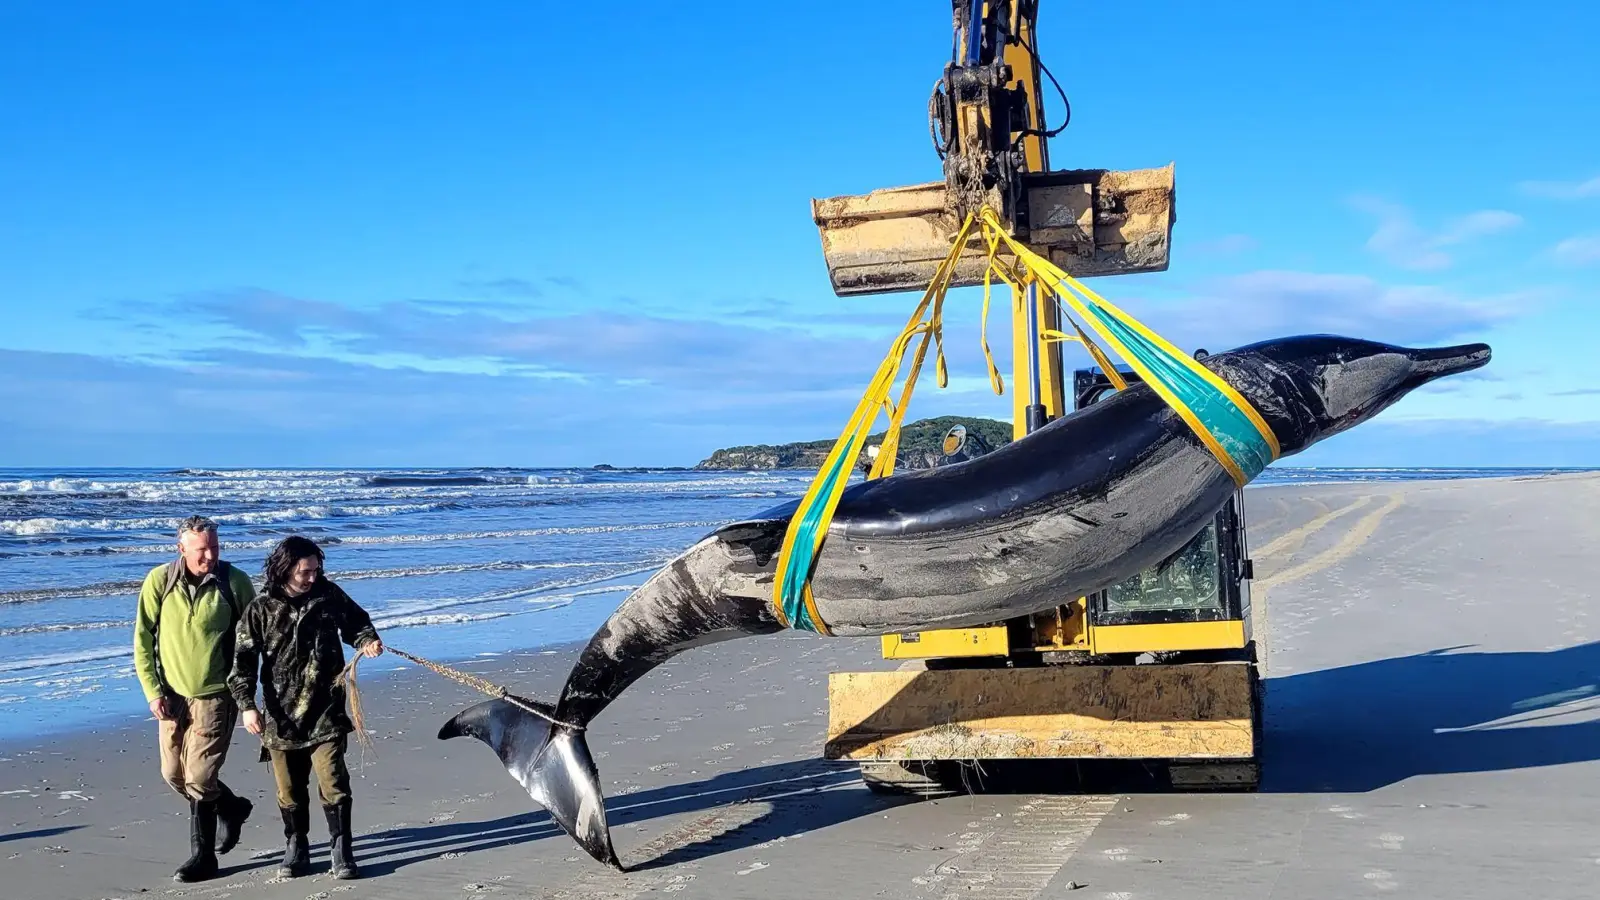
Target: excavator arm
pixel 988 126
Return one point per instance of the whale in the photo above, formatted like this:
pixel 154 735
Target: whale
pixel 1078 505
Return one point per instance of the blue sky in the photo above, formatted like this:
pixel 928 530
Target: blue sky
pixel 391 234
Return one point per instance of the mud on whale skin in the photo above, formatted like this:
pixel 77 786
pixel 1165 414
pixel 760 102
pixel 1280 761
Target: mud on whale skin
pixel 1083 503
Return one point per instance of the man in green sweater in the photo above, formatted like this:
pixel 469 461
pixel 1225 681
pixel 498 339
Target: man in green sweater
pixel 183 635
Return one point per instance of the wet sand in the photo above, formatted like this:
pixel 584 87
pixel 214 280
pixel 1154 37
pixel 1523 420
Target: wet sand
pixel 1431 732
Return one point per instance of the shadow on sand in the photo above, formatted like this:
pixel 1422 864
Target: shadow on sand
pixel 802 797
pixel 1361 727
pixel 38 833
pixel 1347 729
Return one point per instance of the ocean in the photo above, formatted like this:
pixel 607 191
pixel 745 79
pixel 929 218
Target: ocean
pixel 450 563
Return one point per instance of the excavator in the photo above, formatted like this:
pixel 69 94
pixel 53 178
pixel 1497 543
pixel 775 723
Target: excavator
pixel 1161 669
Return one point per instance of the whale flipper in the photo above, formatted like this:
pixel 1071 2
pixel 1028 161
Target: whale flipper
pixel 551 762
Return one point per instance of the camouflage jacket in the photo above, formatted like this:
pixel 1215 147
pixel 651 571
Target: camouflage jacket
pixel 295 645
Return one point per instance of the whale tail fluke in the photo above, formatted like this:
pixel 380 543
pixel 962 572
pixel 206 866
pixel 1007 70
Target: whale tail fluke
pixel 551 762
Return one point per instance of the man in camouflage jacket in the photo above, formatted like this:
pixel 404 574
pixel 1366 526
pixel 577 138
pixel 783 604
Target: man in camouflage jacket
pixel 294 641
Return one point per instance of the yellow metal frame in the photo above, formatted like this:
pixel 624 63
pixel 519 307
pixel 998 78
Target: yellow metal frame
pixel 1227 634
pixel 1199 712
pixel 1070 629
pixel 942 642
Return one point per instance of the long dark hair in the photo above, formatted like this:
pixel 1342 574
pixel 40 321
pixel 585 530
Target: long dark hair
pixel 281 562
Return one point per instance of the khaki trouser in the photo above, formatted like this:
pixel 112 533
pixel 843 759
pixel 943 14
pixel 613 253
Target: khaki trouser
pixel 292 770
pixel 194 745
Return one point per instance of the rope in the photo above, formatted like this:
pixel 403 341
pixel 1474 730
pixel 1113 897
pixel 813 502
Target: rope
pixel 348 676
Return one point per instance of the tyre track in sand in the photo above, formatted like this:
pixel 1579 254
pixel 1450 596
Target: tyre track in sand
pixel 1353 540
pixel 1019 860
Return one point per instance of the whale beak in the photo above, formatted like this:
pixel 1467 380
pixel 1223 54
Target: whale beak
pixel 1441 362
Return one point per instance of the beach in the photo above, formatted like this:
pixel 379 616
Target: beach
pixel 1430 732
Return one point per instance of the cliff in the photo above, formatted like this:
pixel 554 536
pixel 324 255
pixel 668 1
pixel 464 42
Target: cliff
pixel 920 447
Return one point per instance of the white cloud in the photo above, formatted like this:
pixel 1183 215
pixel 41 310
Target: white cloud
pixel 1402 242
pixel 1266 304
pixel 244 408
pixel 1582 250
pixel 590 344
pixel 1563 190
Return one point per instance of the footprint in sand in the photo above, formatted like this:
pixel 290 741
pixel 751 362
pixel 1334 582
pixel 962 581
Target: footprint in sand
pixel 754 867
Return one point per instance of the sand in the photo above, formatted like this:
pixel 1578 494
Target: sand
pixel 1431 733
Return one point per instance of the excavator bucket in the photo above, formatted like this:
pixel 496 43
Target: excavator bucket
pixel 1087 221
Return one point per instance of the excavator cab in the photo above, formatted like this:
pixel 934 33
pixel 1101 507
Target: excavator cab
pixel 1204 582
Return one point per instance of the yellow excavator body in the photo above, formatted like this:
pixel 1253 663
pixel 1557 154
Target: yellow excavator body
pixel 1065 683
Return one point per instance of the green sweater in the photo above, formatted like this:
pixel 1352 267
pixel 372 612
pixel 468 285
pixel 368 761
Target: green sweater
pixel 193 651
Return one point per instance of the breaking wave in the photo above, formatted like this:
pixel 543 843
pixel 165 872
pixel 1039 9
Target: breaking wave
pixel 52 525
pixel 126 588
pixel 63 626
pixel 455 557
pixel 64 659
pixel 360 540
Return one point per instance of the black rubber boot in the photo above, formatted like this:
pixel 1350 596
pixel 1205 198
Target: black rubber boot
pixel 232 810
pixel 340 862
pixel 297 849
pixel 202 862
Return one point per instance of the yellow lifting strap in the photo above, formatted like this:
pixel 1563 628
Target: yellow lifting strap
pixel 1223 420
pixel 1219 415
pixel 809 525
